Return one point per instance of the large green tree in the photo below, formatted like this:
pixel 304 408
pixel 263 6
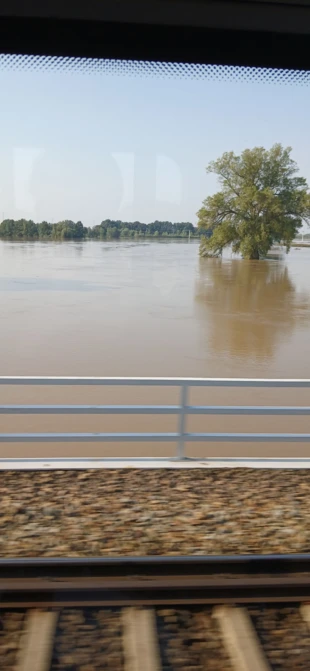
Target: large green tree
pixel 262 201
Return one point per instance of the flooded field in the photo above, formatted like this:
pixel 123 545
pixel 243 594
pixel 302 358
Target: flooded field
pixel 151 309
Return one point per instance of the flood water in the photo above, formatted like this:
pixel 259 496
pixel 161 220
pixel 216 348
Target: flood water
pixel 151 309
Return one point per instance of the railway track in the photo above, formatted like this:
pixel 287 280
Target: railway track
pixel 245 613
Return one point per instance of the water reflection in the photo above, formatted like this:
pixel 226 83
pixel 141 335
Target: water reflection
pixel 248 307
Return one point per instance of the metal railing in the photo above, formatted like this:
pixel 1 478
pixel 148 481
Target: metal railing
pixel 183 410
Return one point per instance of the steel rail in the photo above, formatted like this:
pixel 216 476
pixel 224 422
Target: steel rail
pixel 154 580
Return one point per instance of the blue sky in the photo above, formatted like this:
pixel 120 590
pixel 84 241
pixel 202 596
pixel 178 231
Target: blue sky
pixel 96 146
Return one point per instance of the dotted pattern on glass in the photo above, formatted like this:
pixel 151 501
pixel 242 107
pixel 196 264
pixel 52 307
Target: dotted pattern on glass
pixel 152 69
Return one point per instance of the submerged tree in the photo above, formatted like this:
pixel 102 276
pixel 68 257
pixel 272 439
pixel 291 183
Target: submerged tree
pixel 262 201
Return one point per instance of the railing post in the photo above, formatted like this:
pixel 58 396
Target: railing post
pixel 182 418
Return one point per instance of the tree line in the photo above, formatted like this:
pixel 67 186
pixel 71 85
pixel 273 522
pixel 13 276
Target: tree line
pixel 108 230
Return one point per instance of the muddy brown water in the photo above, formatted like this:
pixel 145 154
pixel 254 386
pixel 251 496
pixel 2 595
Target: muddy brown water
pixel 151 309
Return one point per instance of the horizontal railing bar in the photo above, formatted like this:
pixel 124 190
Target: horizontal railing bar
pixel 151 410
pixel 85 437
pixel 155 381
pixel 145 437
pixel 89 409
pixel 249 437
pixel 246 410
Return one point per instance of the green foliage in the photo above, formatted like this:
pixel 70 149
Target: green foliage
pixel 127 229
pixel 44 230
pixel 107 230
pixel 63 230
pixel 204 249
pixel 18 229
pixel 261 202
pixel 68 230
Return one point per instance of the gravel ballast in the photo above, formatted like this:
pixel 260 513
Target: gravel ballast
pixel 283 635
pixel 11 622
pixel 189 640
pixel 154 512
pixel 88 639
